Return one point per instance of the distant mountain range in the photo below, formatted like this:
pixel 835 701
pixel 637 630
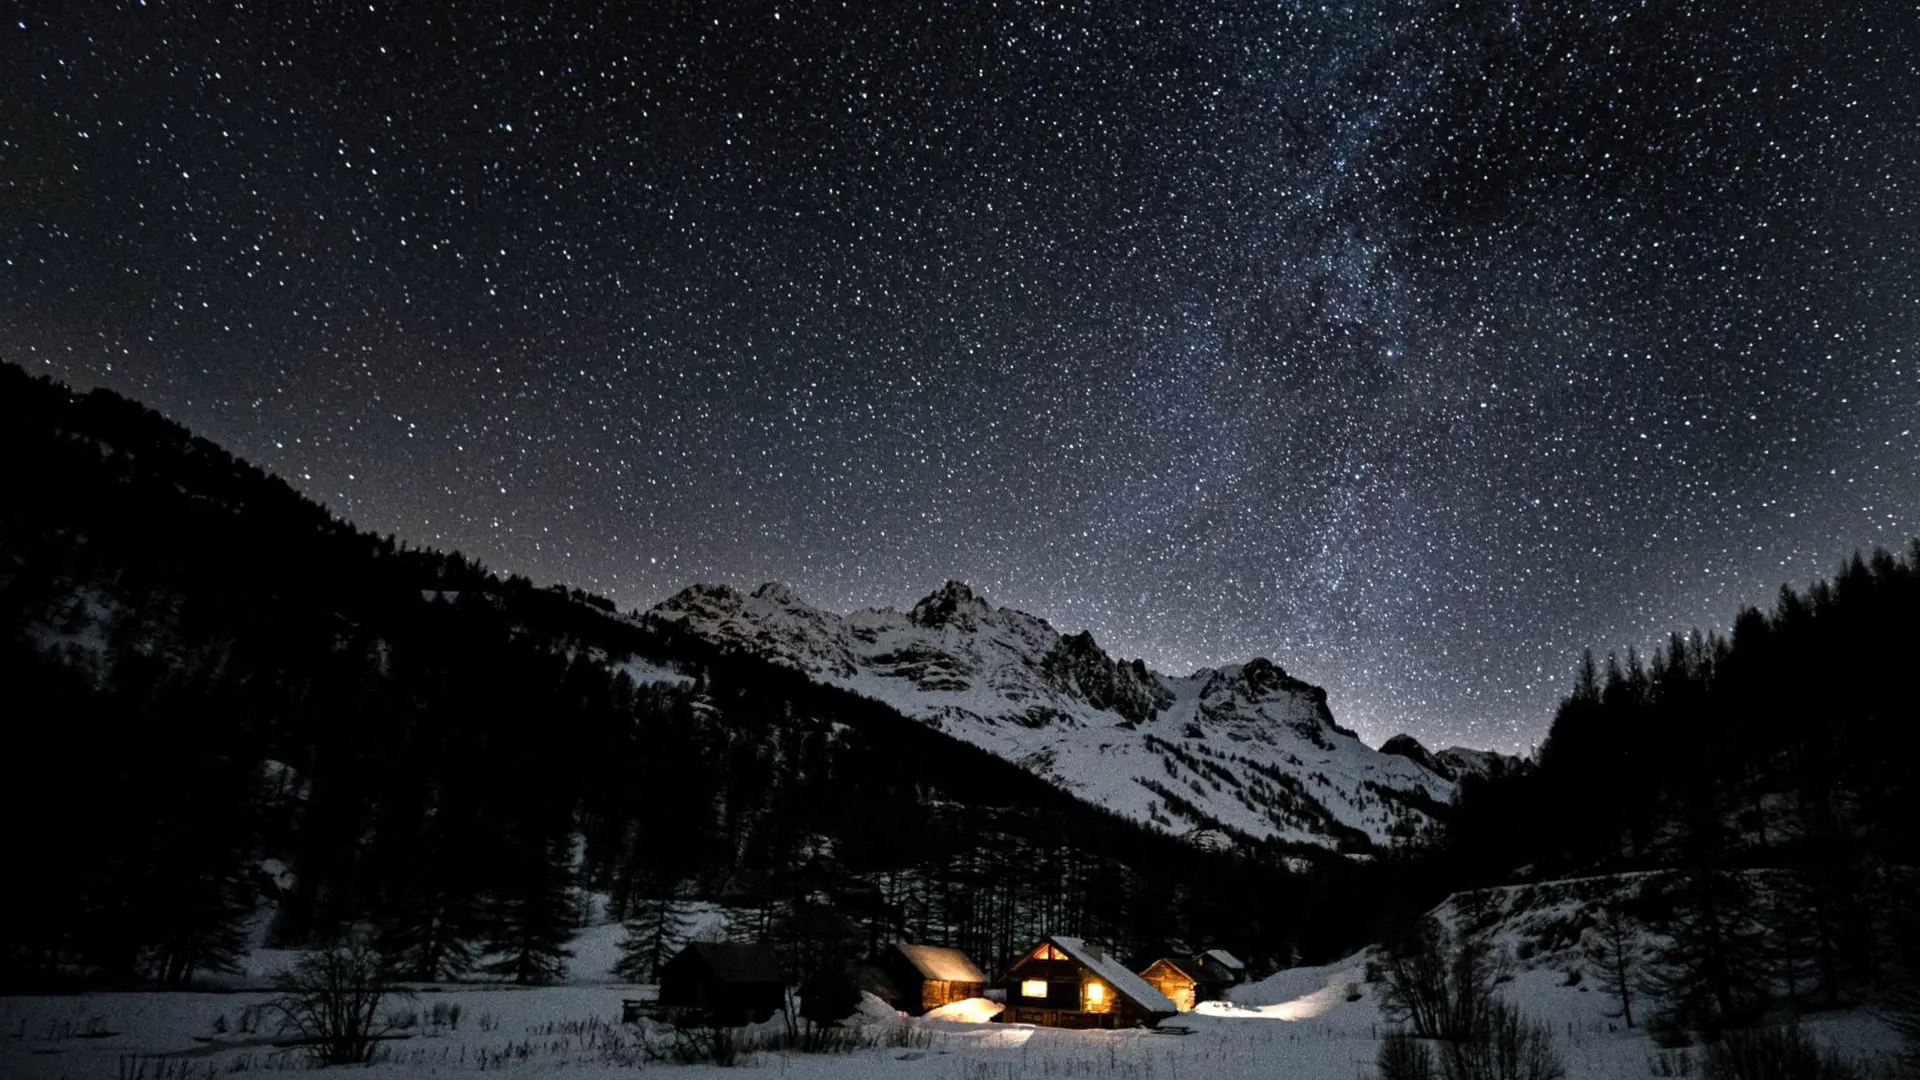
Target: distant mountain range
pixel 1238 755
pixel 285 717
pixel 1242 751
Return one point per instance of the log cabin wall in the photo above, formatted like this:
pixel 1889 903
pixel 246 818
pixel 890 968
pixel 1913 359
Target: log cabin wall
pixel 938 992
pixel 1058 985
pixel 1167 978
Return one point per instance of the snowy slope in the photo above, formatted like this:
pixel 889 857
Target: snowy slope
pixel 1246 748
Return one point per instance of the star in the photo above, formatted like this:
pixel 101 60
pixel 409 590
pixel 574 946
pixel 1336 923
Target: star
pixel 1416 346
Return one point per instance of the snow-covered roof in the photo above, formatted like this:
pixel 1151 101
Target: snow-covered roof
pixel 729 962
pixel 1116 975
pixel 1184 967
pixel 941 964
pixel 1222 956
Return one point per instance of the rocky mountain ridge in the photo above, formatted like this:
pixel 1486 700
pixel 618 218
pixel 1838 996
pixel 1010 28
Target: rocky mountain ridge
pixel 1245 749
pixel 1454 762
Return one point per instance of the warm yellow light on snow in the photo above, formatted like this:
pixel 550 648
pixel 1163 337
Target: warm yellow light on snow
pixel 969 1011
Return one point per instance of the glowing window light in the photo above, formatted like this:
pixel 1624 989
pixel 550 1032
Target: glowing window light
pixel 1033 988
pixel 1096 993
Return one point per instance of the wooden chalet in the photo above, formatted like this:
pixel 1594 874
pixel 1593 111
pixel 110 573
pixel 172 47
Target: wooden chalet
pixel 928 976
pixel 1221 968
pixel 1188 982
pixel 1064 982
pixel 722 983
pixel 1175 978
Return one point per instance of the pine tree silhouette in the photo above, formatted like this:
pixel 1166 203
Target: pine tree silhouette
pixel 656 929
pixel 533 912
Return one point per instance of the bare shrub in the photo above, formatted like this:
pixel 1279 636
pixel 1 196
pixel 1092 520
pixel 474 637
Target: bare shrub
pixel 1404 1057
pixel 829 1039
pixel 333 998
pixel 1439 989
pixel 1671 1063
pixel 1772 1053
pixel 695 1039
pixel 1444 991
pixel 1507 1047
pixel 908 1036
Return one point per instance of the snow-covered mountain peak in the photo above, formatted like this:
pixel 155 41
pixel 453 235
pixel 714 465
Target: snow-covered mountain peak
pixel 772 620
pixel 1255 696
pixel 1245 748
pixel 1260 681
pixel 953 604
pixel 1078 667
pixel 778 592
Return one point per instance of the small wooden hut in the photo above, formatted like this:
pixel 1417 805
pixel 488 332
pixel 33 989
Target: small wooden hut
pixel 1187 983
pixel 929 976
pixel 1220 969
pixel 1229 967
pixel 1174 979
pixel 1064 982
pixel 722 983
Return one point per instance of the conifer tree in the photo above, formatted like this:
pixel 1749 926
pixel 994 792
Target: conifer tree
pixel 533 913
pixel 1614 951
pixel 656 929
pixel 194 916
pixel 1822 914
pixel 751 920
pixel 430 936
pixel 1710 973
pixel 193 893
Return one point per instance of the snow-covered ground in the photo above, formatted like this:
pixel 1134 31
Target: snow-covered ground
pixel 1298 1024
pixel 595 946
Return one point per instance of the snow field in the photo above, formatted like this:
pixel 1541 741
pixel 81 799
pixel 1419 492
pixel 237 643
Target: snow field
pixel 1297 1024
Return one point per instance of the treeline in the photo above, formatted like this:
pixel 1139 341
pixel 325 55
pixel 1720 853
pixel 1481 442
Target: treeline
pixel 1774 768
pixel 459 788
pixel 230 704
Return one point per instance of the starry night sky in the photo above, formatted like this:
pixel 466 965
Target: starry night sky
pixel 1413 344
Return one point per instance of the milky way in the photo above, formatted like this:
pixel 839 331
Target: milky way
pixel 1413 345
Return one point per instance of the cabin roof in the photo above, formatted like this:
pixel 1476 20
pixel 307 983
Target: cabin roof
pixel 1116 973
pixel 1209 968
pixel 730 963
pixel 1184 967
pixel 940 963
pixel 1225 958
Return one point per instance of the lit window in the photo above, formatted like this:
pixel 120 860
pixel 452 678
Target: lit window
pixel 1096 993
pixel 1033 988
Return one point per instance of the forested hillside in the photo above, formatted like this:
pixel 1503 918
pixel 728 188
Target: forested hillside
pixel 221 697
pixel 1776 769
